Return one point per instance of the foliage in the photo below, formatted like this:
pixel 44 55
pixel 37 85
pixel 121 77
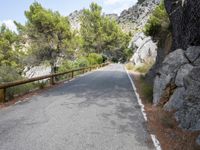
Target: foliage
pixel 9 52
pixel 158 21
pixel 82 62
pixel 8 74
pixel 102 35
pixel 49 33
pixel 95 58
pixel 66 65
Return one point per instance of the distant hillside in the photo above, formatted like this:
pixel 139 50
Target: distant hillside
pixel 131 19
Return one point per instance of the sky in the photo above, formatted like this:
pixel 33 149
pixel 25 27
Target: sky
pixel 14 10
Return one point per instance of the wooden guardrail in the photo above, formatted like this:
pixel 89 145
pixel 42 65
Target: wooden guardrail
pixel 52 78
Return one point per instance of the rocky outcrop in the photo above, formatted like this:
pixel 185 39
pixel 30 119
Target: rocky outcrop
pixel 136 16
pixel 112 16
pixel 37 71
pixel 185 17
pixel 144 49
pixel 177 86
pixel 74 19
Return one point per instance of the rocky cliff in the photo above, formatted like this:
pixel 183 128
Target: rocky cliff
pixel 133 20
pixel 177 82
pixel 145 50
pixel 185 17
pixel 136 16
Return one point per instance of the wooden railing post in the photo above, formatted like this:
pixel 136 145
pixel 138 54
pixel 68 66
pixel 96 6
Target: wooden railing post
pixel 52 80
pixel 2 95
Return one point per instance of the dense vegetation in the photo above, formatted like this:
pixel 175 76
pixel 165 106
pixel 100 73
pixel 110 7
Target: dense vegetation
pixel 47 38
pixel 158 22
pixel 102 35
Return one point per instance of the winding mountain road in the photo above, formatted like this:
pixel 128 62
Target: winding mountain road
pixel 97 111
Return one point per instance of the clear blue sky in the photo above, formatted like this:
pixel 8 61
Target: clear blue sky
pixel 14 9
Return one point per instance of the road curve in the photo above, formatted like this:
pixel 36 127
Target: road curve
pixel 98 111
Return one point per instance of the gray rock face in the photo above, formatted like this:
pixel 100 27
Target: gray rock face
pixel 185 18
pixel 112 16
pixel 74 19
pixel 144 49
pixel 37 71
pixel 137 16
pixel 167 73
pixel 176 100
pixel 178 69
pixel 182 72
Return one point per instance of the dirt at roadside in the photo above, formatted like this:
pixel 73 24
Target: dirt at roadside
pixel 164 126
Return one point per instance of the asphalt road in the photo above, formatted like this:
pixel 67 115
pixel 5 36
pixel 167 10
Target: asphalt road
pixel 98 111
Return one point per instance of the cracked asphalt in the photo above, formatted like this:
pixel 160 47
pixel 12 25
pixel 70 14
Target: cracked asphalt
pixel 97 111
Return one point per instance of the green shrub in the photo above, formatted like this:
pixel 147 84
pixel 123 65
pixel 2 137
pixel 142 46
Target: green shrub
pixel 158 21
pixel 129 53
pixel 9 74
pixel 95 58
pixel 66 65
pixel 82 62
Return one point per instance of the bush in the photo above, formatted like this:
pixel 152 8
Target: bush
pixel 158 21
pixel 66 65
pixel 9 74
pixel 82 62
pixel 95 58
pixel 129 53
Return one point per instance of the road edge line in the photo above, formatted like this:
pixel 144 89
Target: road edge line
pixel 153 137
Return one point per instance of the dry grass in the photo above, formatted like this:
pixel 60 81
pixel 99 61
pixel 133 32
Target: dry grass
pixel 143 68
pixel 164 125
pixel 129 66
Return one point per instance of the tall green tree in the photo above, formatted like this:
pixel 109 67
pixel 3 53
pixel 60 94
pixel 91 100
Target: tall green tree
pixel 91 28
pixel 10 55
pixel 102 34
pixel 47 32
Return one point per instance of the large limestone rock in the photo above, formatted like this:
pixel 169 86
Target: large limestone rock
pixel 167 73
pixel 179 69
pixel 144 49
pixel 176 100
pixel 37 71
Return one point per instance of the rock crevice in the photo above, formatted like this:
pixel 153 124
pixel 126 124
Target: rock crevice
pixel 185 99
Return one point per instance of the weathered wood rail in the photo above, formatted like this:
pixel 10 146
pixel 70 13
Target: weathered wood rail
pixel 51 77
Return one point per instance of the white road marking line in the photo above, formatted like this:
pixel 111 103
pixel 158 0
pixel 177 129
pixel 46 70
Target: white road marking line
pixel 153 137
